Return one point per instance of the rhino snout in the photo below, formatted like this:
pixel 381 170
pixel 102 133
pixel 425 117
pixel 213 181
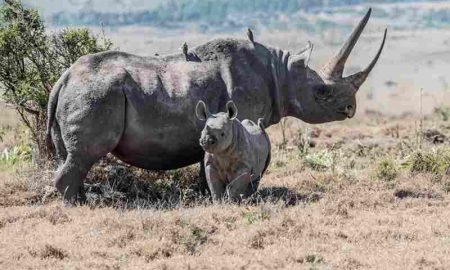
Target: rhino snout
pixel 208 141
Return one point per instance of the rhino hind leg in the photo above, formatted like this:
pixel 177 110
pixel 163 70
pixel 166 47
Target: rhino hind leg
pixel 239 187
pixel 88 133
pixel 83 152
pixel 70 176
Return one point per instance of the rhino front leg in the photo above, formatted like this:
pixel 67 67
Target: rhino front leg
pixel 239 187
pixel 216 186
pixel 202 183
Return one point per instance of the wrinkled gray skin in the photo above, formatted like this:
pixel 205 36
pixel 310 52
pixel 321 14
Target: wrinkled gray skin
pixel 140 108
pixel 236 154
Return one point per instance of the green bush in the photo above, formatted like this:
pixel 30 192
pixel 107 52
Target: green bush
pixel 435 161
pixel 32 60
pixel 11 156
pixel 386 169
pixel 20 152
pixel 443 113
pixel 319 161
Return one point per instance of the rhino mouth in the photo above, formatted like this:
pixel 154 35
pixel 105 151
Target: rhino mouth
pixel 348 115
pixel 208 144
pixel 348 111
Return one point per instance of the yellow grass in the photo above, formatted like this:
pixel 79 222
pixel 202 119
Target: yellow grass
pixel 340 218
pixel 335 213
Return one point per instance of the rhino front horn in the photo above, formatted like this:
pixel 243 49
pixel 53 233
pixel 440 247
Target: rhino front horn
pixel 335 67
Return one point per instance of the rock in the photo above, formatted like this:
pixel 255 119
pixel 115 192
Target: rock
pixel 434 136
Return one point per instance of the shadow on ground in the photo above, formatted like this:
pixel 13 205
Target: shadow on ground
pixel 111 183
pixel 284 195
pixel 117 185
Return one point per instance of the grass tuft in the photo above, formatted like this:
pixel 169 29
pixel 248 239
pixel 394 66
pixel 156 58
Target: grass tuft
pixel 194 239
pixel 435 161
pixel 443 112
pixel 387 169
pixel 50 251
pixel 319 161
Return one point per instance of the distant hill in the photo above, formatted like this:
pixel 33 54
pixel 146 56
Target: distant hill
pixel 219 15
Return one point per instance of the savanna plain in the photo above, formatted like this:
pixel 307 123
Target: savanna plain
pixel 370 192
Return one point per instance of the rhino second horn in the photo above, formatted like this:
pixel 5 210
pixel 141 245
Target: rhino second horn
pixel 358 79
pixel 335 67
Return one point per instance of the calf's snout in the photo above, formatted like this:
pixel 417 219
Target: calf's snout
pixel 208 141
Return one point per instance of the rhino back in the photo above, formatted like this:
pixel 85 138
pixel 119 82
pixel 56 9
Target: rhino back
pixel 246 70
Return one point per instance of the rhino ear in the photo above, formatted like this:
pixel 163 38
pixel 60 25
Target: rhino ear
pixel 201 111
pixel 301 59
pixel 232 110
pixel 306 52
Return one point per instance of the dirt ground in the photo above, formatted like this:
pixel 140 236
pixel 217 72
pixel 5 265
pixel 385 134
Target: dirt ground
pixel 368 193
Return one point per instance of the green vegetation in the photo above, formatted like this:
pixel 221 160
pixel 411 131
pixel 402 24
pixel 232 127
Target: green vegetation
pixel 18 153
pixel 435 161
pixel 32 60
pixel 256 215
pixel 387 169
pixel 194 239
pixel 319 160
pixel 443 113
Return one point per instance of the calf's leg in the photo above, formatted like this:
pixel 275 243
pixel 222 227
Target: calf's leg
pixel 238 188
pixel 203 184
pixel 216 185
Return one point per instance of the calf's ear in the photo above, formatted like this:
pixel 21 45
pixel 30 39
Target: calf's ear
pixel 232 110
pixel 201 111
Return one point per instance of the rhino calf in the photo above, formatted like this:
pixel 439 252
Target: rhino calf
pixel 236 153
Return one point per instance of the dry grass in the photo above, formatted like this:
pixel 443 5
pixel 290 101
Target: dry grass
pixel 359 194
pixel 342 216
pixel 337 231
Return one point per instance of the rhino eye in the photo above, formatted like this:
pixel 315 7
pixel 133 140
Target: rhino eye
pixel 222 134
pixel 323 92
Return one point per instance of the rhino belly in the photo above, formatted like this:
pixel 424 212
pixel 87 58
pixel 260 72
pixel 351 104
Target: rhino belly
pixel 159 147
pixel 154 156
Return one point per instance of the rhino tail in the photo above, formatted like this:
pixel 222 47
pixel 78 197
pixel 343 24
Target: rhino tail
pixel 51 110
pixel 261 124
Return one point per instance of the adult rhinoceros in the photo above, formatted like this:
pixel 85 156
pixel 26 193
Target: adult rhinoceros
pixel 141 109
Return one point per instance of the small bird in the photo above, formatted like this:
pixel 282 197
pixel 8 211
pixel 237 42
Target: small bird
pixel 185 50
pixel 250 35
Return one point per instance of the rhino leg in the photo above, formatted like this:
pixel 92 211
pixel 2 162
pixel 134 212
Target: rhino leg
pixel 89 131
pixel 69 178
pixel 216 186
pixel 83 152
pixel 202 183
pixel 238 188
